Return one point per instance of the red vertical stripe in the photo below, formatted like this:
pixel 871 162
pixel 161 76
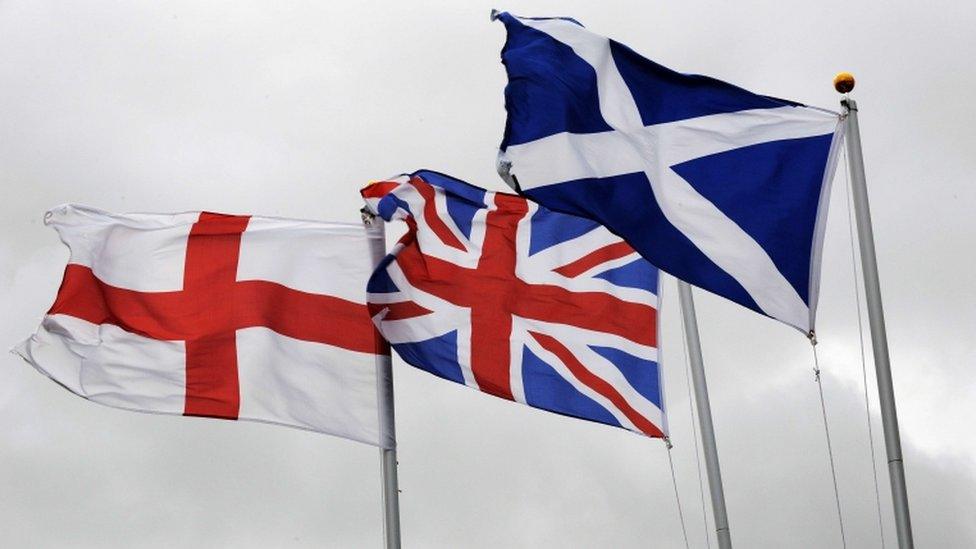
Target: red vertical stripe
pixel 491 326
pixel 210 272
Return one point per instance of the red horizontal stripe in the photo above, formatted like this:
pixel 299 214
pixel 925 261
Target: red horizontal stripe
pixel 181 316
pixel 309 317
pixel 597 311
pixel 157 315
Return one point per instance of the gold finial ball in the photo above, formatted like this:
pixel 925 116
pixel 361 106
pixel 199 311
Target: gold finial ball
pixel 844 82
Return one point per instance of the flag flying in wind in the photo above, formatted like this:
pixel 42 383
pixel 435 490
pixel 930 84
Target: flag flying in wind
pixel 718 186
pixel 226 316
pixel 500 294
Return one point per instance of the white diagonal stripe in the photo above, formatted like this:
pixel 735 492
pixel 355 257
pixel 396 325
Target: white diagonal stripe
pixel 444 318
pixel 557 364
pixel 616 102
pixel 568 333
pixel 539 268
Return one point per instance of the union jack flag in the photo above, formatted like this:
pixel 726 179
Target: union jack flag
pixel 495 292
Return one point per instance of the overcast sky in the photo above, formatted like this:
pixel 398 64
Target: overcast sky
pixel 286 109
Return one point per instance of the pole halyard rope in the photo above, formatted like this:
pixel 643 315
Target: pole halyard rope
pixel 694 432
pixel 668 445
pixel 830 448
pixel 677 499
pixel 860 340
pixel 720 515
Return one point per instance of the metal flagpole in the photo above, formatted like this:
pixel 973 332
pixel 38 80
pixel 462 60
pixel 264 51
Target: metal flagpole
pixel 704 415
pixel 843 83
pixel 384 371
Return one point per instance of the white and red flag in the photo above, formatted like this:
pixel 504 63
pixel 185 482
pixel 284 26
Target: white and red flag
pixel 225 316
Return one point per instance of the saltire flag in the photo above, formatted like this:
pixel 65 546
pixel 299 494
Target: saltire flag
pixel 224 316
pixel 500 294
pixel 720 187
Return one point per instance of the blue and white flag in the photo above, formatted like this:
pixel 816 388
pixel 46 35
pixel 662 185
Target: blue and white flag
pixel 716 185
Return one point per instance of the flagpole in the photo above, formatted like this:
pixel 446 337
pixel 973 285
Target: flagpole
pixel 844 83
pixel 704 415
pixel 384 367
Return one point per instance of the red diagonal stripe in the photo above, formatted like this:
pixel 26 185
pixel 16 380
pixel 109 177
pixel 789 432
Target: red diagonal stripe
pixel 378 189
pixel 594 258
pixel 598 384
pixel 399 311
pixel 431 217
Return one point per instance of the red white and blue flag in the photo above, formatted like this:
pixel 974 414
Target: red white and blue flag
pixel 500 294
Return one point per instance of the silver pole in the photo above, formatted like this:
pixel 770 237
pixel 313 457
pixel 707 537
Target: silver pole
pixel 384 373
pixel 704 415
pixel 391 497
pixel 879 337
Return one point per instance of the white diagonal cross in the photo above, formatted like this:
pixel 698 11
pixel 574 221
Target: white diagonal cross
pixel 632 147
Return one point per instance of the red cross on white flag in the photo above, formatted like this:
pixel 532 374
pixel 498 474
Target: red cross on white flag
pixel 235 317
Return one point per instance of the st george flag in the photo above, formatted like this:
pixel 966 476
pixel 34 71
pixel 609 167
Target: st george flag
pixel 720 187
pixel 224 316
pixel 495 292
